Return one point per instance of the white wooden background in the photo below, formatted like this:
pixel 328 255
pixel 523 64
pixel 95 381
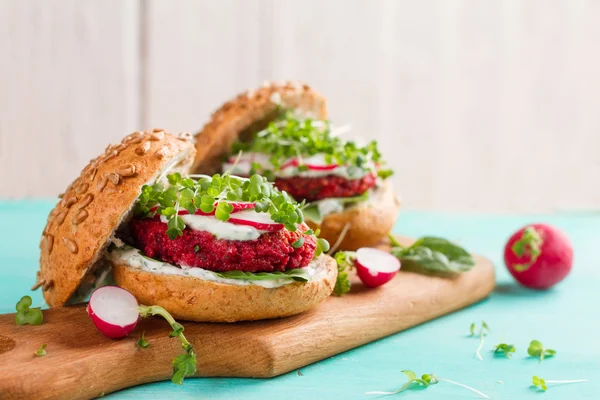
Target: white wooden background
pixel 478 105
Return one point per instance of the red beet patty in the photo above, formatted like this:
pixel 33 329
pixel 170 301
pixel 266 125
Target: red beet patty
pixel 272 251
pixel 323 187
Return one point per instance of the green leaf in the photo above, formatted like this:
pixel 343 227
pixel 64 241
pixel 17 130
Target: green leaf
pixel 345 262
pixel 27 315
pixel 298 243
pixel 529 244
pixel 539 382
pixel 507 349
pixel 435 256
pixel 472 329
pixel 41 352
pixel 411 375
pixel 299 274
pixel 536 349
pixel 223 211
pixel 183 365
pixel 312 213
pixel 385 173
pixel 142 343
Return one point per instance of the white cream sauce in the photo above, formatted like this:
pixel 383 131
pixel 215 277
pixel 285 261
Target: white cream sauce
pixel 228 230
pixel 132 257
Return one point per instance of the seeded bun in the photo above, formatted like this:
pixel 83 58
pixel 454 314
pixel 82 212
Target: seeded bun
pixel 248 112
pixel 192 299
pixel 368 222
pixel 79 227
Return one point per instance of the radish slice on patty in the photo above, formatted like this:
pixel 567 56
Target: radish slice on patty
pixel 375 267
pixel 260 221
pixel 114 311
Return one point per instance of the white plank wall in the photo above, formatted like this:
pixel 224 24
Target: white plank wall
pixel 69 86
pixel 478 106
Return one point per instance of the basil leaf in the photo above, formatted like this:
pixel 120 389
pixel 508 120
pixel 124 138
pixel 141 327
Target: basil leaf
pixel 434 255
pixel 299 274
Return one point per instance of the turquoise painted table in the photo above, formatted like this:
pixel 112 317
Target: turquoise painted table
pixel 565 318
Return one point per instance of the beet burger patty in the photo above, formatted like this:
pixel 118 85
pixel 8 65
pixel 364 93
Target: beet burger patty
pixel 272 251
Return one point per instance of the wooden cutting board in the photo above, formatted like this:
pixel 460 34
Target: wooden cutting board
pixel 82 364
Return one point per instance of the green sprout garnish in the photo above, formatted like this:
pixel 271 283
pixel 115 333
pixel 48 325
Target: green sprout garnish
pixel 424 382
pixel 483 330
pixel 541 383
pixel 290 136
pixel 184 364
pixel 26 314
pixel 345 262
pixel 536 349
pixel 507 349
pixel 142 343
pixel 213 195
pixel 41 352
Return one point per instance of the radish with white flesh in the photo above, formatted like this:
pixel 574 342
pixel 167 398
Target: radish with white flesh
pixel 260 221
pixel 538 256
pixel 375 267
pixel 115 312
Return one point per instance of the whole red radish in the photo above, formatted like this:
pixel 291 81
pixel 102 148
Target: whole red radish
pixel 375 267
pixel 538 256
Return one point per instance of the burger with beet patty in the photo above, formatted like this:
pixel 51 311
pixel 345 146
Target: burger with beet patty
pixel 217 248
pixel 281 131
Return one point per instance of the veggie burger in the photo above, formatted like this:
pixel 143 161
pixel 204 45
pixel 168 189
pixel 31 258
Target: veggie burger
pixel 281 131
pixel 216 247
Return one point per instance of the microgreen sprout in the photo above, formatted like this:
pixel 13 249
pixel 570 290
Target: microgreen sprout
pixel 26 314
pixel 483 330
pixel 345 262
pixel 213 195
pixel 425 381
pixel 184 364
pixel 142 343
pixel 290 136
pixel 41 352
pixel 536 349
pixel 541 383
pixel 507 349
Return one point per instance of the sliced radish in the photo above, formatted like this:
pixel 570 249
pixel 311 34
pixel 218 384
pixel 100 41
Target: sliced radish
pixel 258 225
pixel 321 167
pixel 260 221
pixel 114 311
pixel 319 163
pixel 290 163
pixel 315 163
pixel 375 267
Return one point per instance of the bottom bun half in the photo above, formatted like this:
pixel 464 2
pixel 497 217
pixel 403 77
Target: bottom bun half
pixel 193 299
pixel 368 222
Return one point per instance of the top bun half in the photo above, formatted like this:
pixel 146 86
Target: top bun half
pixel 80 226
pixel 249 112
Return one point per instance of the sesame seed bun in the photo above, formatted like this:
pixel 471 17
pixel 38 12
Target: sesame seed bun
pixel 248 112
pixel 193 299
pixel 369 221
pixel 79 227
